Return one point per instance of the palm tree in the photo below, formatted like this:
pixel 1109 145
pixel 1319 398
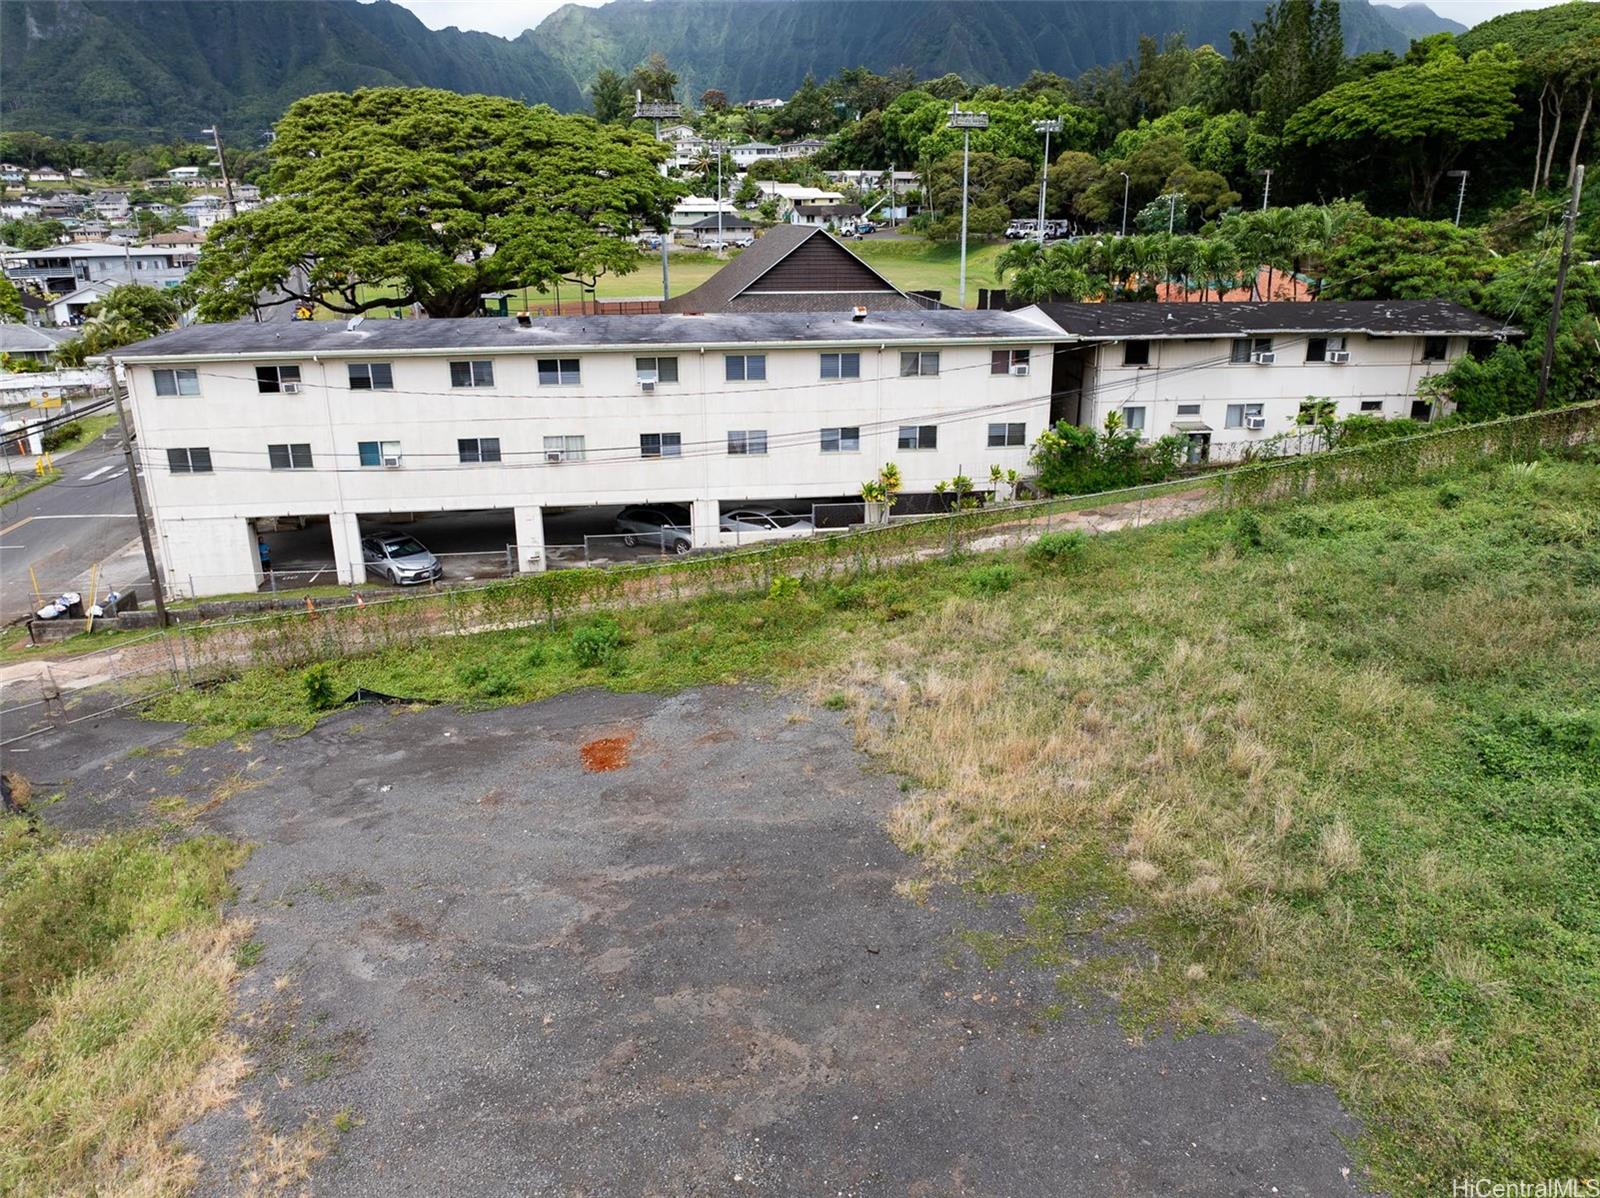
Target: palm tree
pixel 1218 260
pixel 1183 256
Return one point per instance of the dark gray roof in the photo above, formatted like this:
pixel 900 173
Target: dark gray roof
pixel 729 221
pixel 717 293
pixel 1112 322
pixel 301 338
pixel 25 339
pixel 829 209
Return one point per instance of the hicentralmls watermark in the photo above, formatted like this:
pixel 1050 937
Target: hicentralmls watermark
pixel 1548 1187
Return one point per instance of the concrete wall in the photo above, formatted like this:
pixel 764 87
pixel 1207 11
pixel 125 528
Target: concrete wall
pixel 202 516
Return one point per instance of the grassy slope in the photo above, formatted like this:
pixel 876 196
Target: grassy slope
pixel 116 974
pixel 1341 761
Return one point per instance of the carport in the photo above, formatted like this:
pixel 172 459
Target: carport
pixel 299 551
pixel 478 543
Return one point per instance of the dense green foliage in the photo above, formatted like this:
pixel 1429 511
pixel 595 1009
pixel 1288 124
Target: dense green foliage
pixel 444 196
pixel 127 313
pixel 1072 460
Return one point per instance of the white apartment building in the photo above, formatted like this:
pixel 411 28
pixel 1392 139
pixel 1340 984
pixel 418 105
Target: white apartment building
pixel 1236 373
pixel 354 424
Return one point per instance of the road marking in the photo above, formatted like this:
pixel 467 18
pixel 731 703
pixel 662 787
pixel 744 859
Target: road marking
pixel 99 472
pixel 14 527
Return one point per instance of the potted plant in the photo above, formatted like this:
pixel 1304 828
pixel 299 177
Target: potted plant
pixel 878 494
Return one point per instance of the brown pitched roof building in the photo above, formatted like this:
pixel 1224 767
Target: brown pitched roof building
pixel 794 268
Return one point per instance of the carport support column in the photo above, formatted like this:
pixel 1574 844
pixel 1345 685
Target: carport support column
pixel 705 519
pixel 530 539
pixel 345 528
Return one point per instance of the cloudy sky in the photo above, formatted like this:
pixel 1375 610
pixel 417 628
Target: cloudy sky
pixel 510 17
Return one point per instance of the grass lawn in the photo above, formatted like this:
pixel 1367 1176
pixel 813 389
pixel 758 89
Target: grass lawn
pixel 92 429
pixel 1333 766
pixel 116 976
pixel 15 485
pixel 910 263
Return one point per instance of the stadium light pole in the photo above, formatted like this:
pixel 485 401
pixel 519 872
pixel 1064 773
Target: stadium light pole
pixel 1461 196
pixel 1047 127
pixel 1266 192
pixel 227 183
pixel 657 111
pixel 966 122
pixel 1125 182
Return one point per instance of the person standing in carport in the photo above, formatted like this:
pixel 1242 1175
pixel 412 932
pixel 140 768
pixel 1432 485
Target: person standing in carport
pixel 266 555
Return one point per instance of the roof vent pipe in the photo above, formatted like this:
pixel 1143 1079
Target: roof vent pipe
pixel 524 320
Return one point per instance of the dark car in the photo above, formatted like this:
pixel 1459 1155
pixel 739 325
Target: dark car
pixel 665 525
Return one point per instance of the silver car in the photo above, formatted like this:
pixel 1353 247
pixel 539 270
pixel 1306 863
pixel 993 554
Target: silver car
pixel 399 558
pixel 766 519
pixel 666 525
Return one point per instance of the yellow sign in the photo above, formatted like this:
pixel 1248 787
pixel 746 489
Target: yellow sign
pixel 45 401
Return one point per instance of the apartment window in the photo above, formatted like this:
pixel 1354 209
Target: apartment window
pixel 1188 409
pixel 654 370
pixel 1001 435
pixel 563 449
pixel 919 436
pixel 660 445
pixel 1136 353
pixel 1133 418
pixel 841 366
pixel 841 440
pixel 1009 361
pixel 296 456
pixel 177 382
pixel 1237 413
pixel 1372 405
pixel 558 372
pixel 1243 347
pixel 478 449
pixel 476 374
pixel 371 376
pixel 272 379
pixel 378 453
pixel 738 368
pixel 195 460
pixel 747 440
pixel 919 364
pixel 1434 349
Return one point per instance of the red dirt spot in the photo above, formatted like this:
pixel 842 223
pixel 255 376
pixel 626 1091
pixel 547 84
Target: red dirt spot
pixel 606 753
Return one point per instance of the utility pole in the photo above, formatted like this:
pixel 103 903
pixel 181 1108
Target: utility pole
pixel 1047 127
pixel 138 498
pixel 656 110
pixel 1266 192
pixel 1125 182
pixel 1461 195
pixel 1172 209
pixel 1561 287
pixel 966 122
pixel 222 165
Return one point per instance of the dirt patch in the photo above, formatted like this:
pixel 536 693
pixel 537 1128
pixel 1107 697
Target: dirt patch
pixel 607 753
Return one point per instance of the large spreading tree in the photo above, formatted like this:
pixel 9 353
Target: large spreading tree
pixel 1419 116
pixel 432 198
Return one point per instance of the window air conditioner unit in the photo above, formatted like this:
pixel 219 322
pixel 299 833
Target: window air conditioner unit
pixel 1264 357
pixel 291 388
pixel 647 384
pixel 1338 356
pixel 392 463
pixel 1020 370
pixel 1255 422
pixel 554 456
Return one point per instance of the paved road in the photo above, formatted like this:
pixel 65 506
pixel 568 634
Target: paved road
pixel 63 529
pixel 615 946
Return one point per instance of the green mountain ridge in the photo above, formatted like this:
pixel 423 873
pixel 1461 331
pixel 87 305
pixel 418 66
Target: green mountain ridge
pixel 164 68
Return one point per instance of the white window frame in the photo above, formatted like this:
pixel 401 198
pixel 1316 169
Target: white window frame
pixel 667 445
pixel 568 372
pixel 189 460
pixel 480 373
pixel 1129 344
pixel 477 451
pixel 840 442
pixel 747 442
pixel 1243 347
pixel 1007 430
pixel 271 380
pixel 386 449
pixel 846 364
pixel 921 436
pixel 1130 422
pixel 371 369
pixel 744 361
pixel 1244 411
pixel 290 454
pixel 918 361
pixel 571 448
pixel 659 370
pixel 175 380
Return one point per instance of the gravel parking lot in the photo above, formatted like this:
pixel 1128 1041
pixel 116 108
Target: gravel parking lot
pixel 646 945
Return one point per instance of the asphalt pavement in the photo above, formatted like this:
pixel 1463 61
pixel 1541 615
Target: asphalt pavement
pixel 63 530
pixel 613 946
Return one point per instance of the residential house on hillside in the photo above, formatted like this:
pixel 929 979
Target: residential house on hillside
pixel 71 307
pixel 46 174
pixel 824 215
pixel 10 172
pixel 727 227
pixel 796 268
pixel 766 104
pixel 63 268
pixel 1238 373
pixel 27 343
pixel 691 210
pixel 180 173
pixel 341 426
